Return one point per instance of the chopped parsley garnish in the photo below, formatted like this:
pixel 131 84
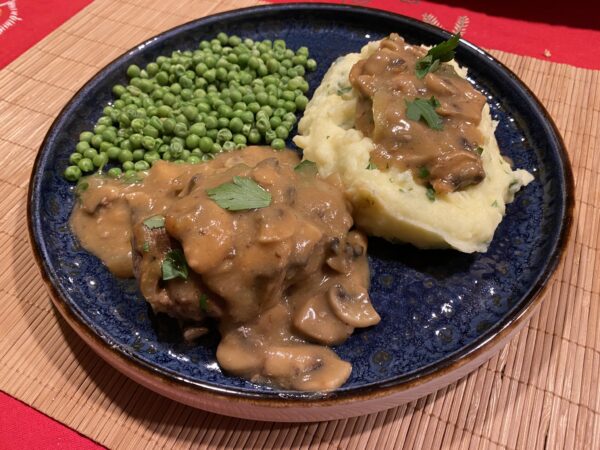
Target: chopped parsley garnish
pixel 495 204
pixel 479 150
pixel 306 164
pixel 430 193
pixel 421 108
pixel 174 265
pixel 155 222
pixel 443 52
pixel 424 172
pixel 344 90
pixel 244 193
pixel 371 166
pixel 203 300
pixel 146 247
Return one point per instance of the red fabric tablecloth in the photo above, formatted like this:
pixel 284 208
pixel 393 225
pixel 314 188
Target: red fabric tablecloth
pixel 558 32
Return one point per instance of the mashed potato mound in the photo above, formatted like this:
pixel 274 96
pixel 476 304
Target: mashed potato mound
pixel 389 203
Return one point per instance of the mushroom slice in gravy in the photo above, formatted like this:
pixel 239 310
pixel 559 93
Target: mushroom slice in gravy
pixel 283 280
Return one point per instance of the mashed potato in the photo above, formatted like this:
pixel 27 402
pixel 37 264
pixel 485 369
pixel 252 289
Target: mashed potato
pixel 389 203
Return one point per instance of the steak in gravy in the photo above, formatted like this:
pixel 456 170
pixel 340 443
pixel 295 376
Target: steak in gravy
pixel 283 281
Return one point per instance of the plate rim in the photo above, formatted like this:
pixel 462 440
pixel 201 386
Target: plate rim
pixel 399 383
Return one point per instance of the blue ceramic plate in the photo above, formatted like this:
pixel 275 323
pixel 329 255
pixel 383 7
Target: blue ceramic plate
pixel 441 310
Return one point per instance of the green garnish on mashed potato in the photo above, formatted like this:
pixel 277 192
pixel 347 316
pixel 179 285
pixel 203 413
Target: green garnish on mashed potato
pixel 389 201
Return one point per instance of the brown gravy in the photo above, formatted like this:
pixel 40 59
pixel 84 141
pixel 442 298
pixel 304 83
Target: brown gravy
pixel 447 158
pixel 283 281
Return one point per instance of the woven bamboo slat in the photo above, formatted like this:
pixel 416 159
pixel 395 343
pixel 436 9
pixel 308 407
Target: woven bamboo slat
pixel 540 391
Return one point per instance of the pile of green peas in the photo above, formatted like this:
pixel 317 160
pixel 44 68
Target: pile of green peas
pixel 188 107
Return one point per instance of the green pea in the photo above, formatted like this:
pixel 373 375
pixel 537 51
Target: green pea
pixel 262 125
pixel 119 90
pixel 205 144
pixel 216 148
pixel 90 153
pixel 222 122
pixel 211 122
pixel 113 152
pixel 125 155
pixel 126 145
pixel 86 136
pixel 151 157
pixel 180 130
pixel 198 129
pixel 96 141
pixel 212 133
pixel 141 165
pixel 301 102
pixel 72 173
pixel 270 135
pixel 109 135
pixel 278 144
pixel 148 142
pixel 282 132
pixel 290 106
pixel 254 136
pixel 136 140
pixel 82 146
pixel 86 165
pixel 104 146
pixel 236 124
pixel 114 172
pixel 133 71
pixel 311 64
pixel 100 160
pixel 192 141
pixel 239 139
pixel 169 125
pixel 193 159
pixel 190 112
pixel 275 121
pixel 74 158
pixel 224 135
pixel 138 154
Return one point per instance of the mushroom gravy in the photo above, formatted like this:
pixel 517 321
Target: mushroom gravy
pixel 283 281
pixel 446 158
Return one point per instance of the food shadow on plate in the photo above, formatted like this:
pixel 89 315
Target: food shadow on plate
pixel 438 264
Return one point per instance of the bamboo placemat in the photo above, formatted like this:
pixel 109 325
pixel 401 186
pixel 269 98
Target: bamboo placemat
pixel 542 390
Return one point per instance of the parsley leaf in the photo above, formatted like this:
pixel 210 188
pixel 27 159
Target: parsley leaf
pixel 443 52
pixel 244 193
pixel 430 193
pixel 174 265
pixel 479 150
pixel 343 90
pixel 371 166
pixel 155 222
pixel 203 300
pixel 146 247
pixel 306 166
pixel 495 204
pixel 420 108
pixel 424 172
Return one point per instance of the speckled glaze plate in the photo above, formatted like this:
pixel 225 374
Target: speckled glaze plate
pixel 443 312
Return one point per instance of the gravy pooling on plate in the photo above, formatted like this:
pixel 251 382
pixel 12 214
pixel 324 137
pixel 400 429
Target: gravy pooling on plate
pixel 283 281
pixel 445 156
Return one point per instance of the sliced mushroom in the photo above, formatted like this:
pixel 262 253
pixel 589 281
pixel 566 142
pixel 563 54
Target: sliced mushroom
pixel 317 322
pixel 237 356
pixel 305 367
pixel 191 333
pixel 438 85
pixel 352 307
